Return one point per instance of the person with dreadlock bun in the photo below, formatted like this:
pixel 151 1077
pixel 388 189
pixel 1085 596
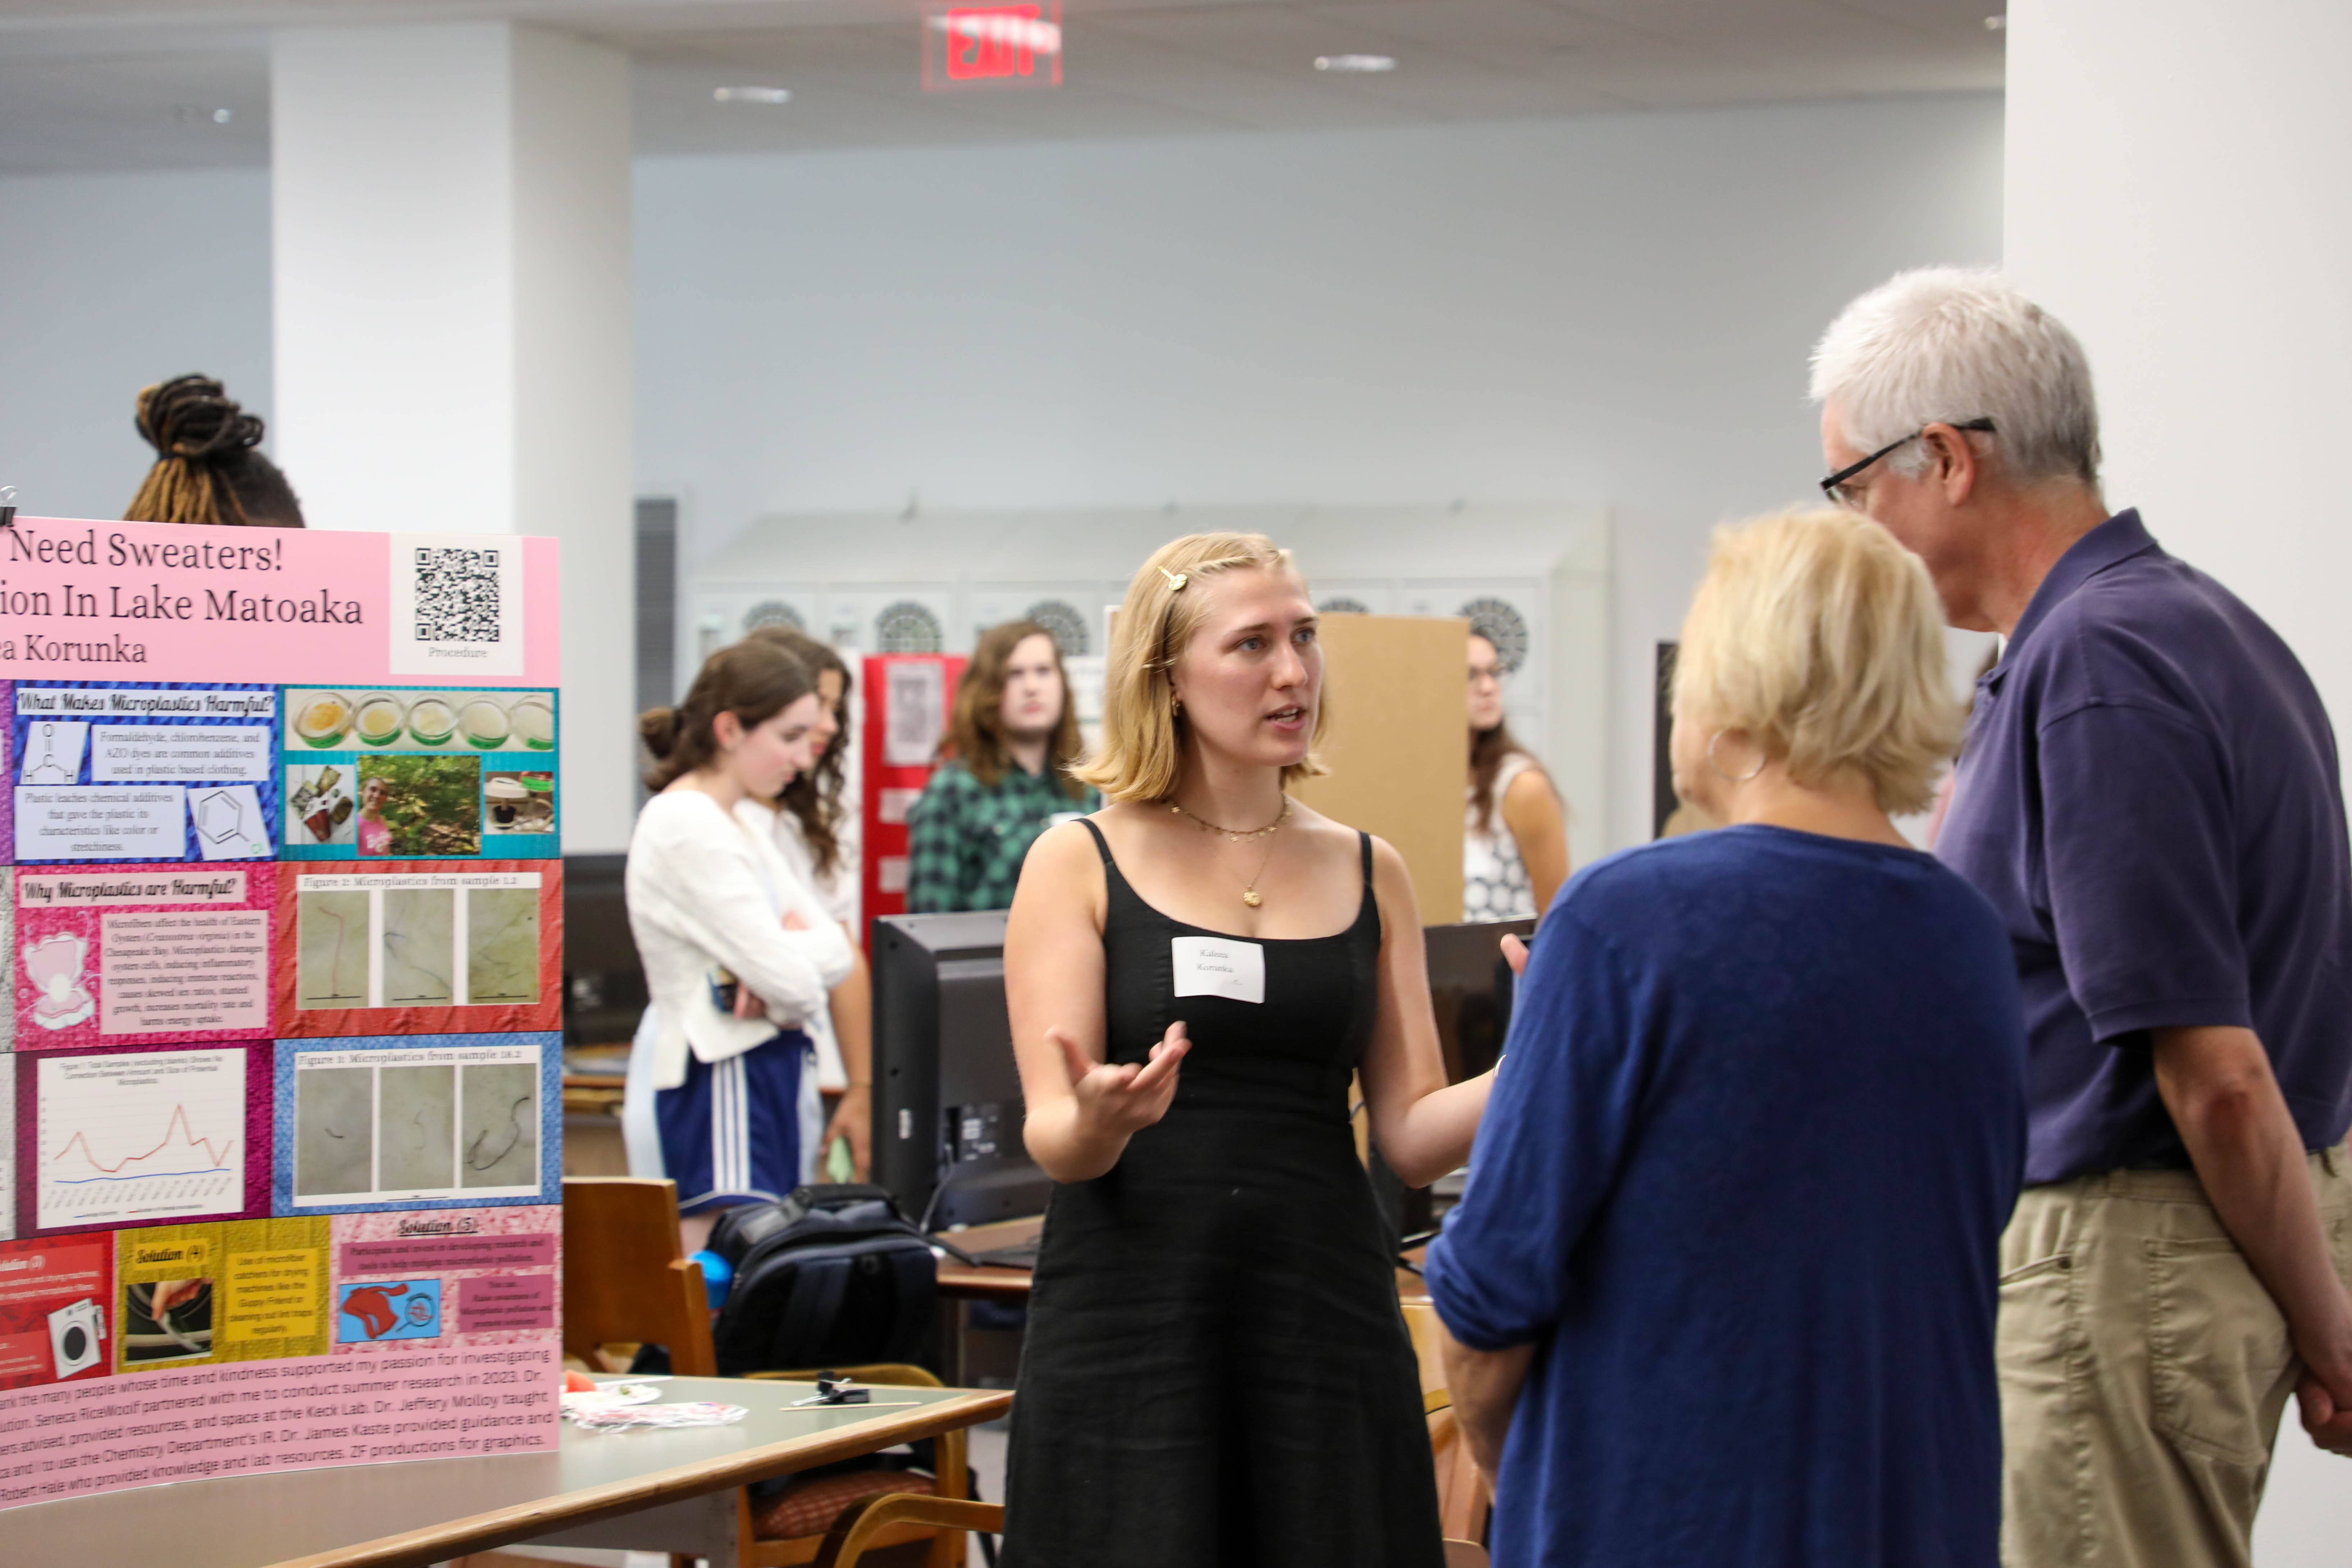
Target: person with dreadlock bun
pixel 208 464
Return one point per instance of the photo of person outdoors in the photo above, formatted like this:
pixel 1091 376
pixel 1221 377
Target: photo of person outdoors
pixel 1195 974
pixel 1013 737
pixel 1759 1124
pixel 375 833
pixel 420 805
pixel 1515 836
pixel 738 953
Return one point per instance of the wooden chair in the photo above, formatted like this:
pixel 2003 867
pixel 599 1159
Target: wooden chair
pixel 1463 1501
pixel 626 1279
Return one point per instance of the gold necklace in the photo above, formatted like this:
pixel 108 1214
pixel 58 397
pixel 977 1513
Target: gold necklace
pixel 1250 894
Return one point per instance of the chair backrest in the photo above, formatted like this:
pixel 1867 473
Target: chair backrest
pixel 1463 1501
pixel 626 1276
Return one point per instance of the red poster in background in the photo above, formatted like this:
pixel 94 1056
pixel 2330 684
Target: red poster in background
pixel 906 698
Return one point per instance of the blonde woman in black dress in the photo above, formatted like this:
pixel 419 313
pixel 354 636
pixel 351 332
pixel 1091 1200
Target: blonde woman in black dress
pixel 1216 1371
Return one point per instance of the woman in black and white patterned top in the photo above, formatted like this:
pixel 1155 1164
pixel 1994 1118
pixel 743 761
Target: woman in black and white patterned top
pixel 1515 836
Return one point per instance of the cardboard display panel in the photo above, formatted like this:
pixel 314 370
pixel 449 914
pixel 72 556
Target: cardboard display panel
pixel 280 1070
pixel 1398 743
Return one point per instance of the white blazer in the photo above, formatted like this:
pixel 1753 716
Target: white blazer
pixel 706 891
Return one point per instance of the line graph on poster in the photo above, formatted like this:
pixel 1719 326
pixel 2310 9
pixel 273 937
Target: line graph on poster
pixel 137 1136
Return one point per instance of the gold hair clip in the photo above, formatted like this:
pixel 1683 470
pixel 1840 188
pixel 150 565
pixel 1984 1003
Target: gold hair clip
pixel 1176 580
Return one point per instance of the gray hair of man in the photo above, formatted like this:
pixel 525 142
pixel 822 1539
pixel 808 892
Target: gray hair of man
pixel 1948 344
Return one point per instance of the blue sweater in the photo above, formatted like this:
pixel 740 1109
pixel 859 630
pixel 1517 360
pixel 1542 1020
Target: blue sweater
pixel 1742 1182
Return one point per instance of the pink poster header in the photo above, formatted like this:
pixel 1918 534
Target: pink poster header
pixel 144 601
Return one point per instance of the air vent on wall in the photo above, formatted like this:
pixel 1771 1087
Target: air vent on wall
pixel 773 613
pixel 1061 623
pixel 1501 624
pixel 906 626
pixel 1341 605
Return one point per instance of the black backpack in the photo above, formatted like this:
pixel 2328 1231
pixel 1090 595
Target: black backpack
pixel 831 1276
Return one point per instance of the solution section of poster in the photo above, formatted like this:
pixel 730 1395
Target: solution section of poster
pixel 419 772
pixel 119 1138
pixel 407 1121
pixel 193 1295
pixel 420 946
pixel 135 954
pixel 145 772
pixel 473 1372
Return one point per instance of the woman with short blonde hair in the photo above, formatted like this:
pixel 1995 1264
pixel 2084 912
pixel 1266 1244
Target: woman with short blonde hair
pixel 1215 1369
pixel 1766 1089
pixel 1818 640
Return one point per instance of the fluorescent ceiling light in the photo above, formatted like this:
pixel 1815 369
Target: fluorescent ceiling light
pixel 1363 63
pixel 751 94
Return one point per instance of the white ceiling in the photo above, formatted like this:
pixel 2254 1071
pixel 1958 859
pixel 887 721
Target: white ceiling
pixel 126 84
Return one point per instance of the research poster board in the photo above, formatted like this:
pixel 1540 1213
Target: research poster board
pixel 280 1105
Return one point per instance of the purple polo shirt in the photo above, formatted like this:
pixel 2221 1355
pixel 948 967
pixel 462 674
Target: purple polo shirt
pixel 2149 798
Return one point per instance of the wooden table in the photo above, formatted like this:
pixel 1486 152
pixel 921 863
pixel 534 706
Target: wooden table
pixel 642 1491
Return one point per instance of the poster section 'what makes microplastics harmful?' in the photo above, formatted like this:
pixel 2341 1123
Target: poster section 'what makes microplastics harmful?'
pixel 280 1130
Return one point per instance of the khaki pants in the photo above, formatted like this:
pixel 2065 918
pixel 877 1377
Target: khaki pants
pixel 2143 1372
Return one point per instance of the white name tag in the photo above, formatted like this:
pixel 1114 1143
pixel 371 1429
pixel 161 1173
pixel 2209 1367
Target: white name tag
pixel 1219 966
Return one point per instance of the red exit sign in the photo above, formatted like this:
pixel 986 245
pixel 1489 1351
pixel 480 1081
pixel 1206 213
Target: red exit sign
pixel 993 47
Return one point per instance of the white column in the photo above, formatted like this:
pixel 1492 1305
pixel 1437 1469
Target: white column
pixel 450 232
pixel 2176 193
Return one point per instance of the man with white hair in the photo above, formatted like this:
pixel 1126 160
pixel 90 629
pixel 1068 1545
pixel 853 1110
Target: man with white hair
pixel 2150 795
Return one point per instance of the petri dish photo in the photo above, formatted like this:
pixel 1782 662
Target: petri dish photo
pixel 378 717
pixel 485 723
pixel 431 720
pixel 324 718
pixel 534 723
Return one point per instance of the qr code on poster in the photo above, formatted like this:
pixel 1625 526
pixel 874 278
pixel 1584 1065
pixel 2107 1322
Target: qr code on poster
pixel 457 595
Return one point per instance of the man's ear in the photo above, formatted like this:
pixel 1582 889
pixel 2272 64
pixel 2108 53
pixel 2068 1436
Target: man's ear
pixel 1958 466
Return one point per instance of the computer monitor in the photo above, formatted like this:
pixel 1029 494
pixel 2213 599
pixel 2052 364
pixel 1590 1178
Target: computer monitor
pixel 947 1095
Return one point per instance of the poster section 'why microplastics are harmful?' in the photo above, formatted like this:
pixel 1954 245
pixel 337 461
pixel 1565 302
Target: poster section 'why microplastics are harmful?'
pixel 280 1131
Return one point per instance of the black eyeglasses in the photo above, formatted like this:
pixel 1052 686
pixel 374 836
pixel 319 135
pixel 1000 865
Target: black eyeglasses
pixel 1834 486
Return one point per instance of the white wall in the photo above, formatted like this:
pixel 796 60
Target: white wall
pixel 2175 192
pixel 1611 310
pixel 1608 309
pixel 109 283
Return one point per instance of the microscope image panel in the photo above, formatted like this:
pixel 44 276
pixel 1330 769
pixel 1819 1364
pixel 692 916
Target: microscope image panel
pixel 420 927
pixel 334 1132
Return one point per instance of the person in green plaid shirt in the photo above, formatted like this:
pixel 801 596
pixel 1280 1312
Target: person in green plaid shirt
pixel 1011 740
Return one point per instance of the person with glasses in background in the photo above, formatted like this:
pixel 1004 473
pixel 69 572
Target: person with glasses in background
pixel 1515 836
pixel 2149 794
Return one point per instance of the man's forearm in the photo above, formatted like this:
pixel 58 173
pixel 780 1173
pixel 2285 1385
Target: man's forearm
pixel 1484 1386
pixel 2218 1085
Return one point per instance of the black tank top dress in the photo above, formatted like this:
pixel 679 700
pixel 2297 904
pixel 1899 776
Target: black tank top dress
pixel 1216 1374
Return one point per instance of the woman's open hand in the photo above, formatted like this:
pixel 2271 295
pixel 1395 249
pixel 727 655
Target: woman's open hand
pixel 1115 1101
